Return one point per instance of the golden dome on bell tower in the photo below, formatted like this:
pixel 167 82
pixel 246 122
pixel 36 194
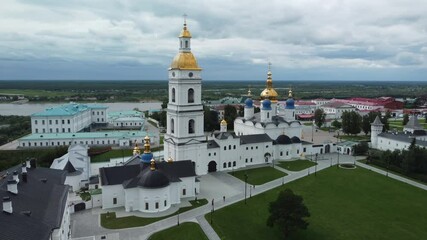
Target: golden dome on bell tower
pixel 185 60
pixel 269 92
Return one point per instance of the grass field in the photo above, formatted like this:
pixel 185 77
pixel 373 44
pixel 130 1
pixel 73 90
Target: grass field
pixel 258 176
pixel 110 221
pixel 344 204
pixel 115 153
pixel 296 165
pixel 398 124
pixel 185 231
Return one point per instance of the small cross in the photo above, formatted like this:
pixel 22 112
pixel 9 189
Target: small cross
pixel 269 66
pixel 185 18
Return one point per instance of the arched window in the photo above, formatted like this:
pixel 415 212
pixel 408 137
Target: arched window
pixel 191 126
pixel 268 115
pixel 224 165
pixel 229 164
pixel 234 163
pixel 190 95
pixel 173 94
pixel 186 44
pixel 172 126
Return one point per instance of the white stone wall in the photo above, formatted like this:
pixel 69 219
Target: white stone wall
pixel 63 231
pixel 109 193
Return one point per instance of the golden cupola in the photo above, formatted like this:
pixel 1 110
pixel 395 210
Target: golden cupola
pixel 136 149
pixel 185 60
pixel 269 92
pixel 223 122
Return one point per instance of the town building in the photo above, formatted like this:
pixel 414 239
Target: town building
pixel 372 104
pixel 126 119
pixel 34 203
pixel 77 165
pixel 68 118
pixel 334 110
pixel 395 140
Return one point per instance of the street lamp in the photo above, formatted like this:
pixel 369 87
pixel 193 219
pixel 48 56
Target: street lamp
pixel 315 166
pixel 212 210
pixel 338 152
pixel 178 216
pixel 246 181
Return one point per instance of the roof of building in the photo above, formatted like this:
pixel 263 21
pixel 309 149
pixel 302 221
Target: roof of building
pixel 224 135
pixel 254 138
pixel 88 135
pixel 212 144
pixel 130 175
pixel 337 105
pixel 377 121
pixel 402 137
pixel 68 109
pixel 283 139
pixel 413 123
pixel 43 201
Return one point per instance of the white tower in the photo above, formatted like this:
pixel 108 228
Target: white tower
pixel 266 111
pixel 290 107
pixel 223 126
pixel 376 128
pixel 249 107
pixel 185 139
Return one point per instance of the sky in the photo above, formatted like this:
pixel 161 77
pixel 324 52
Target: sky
pixel 381 40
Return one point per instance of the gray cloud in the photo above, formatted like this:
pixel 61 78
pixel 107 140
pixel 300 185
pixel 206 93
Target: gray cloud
pixel 298 36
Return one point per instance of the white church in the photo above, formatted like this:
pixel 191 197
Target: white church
pixel 146 185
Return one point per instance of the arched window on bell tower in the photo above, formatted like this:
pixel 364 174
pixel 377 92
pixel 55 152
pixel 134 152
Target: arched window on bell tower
pixel 191 126
pixel 172 126
pixel 173 94
pixel 190 95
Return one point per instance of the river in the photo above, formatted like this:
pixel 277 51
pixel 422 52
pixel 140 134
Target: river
pixel 30 108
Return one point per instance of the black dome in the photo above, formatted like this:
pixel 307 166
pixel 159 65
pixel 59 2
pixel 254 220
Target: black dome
pixel 295 139
pixel 283 139
pixel 153 179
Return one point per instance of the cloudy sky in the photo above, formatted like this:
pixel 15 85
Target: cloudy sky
pixel 232 40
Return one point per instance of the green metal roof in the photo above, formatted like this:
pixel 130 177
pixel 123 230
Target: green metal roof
pixel 88 135
pixel 68 109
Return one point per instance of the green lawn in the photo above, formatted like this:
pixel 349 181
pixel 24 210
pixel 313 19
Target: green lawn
pixel 258 176
pixel 110 221
pixel 296 165
pixel 355 138
pixel 344 204
pixel 398 124
pixel 185 231
pixel 114 153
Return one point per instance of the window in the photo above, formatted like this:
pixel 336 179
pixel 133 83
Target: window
pixel 63 130
pixel 166 203
pixel 251 159
pixel 35 121
pixel 37 130
pixel 50 121
pixel 266 146
pixel 304 150
pixel 157 205
pixel 247 148
pixel 57 129
pixel 146 206
pixel 51 130
pixel 68 121
pixel 56 121
pixel 246 160
pixel 190 95
pixel 114 200
pixel 69 130
pixel 268 115
pixel 214 153
pixel 234 163
pixel 173 95
pixel 229 164
pixel 63 121
pixel 186 44
pixel 209 154
pixel 43 122
pixel 224 165
pixel 287 153
pixel 191 126
pixel 225 147
pixel 256 147
pixel 44 130
pixel 252 148
pixel 234 146
pixel 229 147
pixel 281 153
pixel 172 126
pixel 184 192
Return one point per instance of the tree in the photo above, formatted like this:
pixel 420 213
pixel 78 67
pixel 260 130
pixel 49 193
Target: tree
pixel 366 125
pixel 336 124
pixel 230 114
pixel 351 122
pixel 319 117
pixel 288 212
pixel 210 119
pixel 360 149
pixel 165 103
pixel 405 119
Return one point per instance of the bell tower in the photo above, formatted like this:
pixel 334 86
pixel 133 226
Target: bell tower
pixel 184 138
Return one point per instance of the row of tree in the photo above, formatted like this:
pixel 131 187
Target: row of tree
pixel 411 161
